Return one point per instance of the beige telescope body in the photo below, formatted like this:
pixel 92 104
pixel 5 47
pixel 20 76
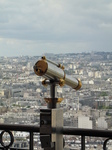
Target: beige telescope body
pixel 52 71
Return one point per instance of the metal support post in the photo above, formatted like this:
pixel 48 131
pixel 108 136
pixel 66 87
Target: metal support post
pixel 51 123
pixel 53 93
pixel 31 140
pixel 82 142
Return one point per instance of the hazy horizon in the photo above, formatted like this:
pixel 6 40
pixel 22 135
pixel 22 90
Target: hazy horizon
pixel 44 54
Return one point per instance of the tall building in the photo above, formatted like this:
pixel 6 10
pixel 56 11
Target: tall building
pixel 102 124
pixel 84 122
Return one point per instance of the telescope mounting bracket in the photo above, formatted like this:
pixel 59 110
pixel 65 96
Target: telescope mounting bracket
pixel 53 101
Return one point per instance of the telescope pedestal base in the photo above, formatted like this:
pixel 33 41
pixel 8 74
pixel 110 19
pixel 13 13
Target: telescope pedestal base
pixel 57 123
pixel 51 122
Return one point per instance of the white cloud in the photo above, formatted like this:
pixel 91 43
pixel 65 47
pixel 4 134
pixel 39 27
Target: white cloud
pixel 55 24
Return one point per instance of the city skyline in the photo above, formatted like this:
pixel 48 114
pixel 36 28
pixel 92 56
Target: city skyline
pixel 38 27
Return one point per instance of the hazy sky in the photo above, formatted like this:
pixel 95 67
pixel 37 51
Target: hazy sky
pixel 35 27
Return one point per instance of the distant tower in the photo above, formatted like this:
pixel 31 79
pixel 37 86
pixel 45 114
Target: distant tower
pixel 78 104
pixel 28 65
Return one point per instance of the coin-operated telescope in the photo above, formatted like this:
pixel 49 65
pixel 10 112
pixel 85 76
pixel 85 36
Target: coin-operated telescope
pixel 52 71
pixel 52 118
pixel 54 74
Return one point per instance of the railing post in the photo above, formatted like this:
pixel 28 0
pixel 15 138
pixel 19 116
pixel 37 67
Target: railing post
pixel 82 142
pixel 31 141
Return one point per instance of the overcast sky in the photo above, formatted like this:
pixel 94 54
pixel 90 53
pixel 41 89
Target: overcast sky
pixel 35 27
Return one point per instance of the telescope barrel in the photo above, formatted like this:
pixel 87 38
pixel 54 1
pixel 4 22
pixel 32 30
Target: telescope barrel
pixel 73 82
pixel 49 70
pixel 50 61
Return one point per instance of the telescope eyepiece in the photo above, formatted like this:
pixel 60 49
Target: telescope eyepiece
pixel 37 70
pixel 40 67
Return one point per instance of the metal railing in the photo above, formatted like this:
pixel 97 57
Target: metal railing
pixel 31 129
